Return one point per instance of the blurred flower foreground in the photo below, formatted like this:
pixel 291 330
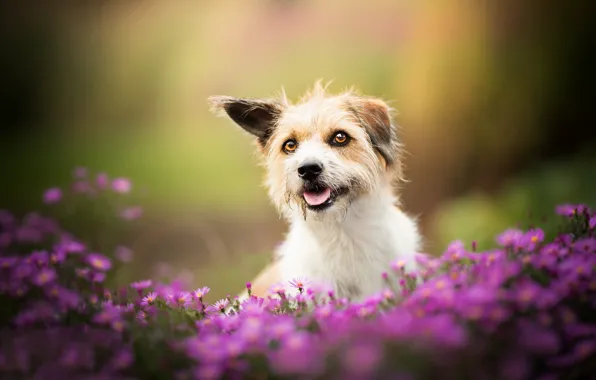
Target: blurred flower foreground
pixel 526 309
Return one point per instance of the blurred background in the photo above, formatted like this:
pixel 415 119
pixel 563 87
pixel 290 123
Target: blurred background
pixel 496 101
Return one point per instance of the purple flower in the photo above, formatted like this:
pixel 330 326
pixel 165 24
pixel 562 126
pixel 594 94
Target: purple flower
pixel 299 283
pixel 99 261
pixel 121 185
pixel 67 298
pixel 570 210
pixel 456 250
pixel 585 245
pixel 531 239
pixel 44 277
pixel 109 314
pixel 53 195
pixel 526 294
pixel 510 238
pixel 8 262
pixel 149 299
pixel 592 222
pixel 141 285
pixel 23 270
pixel 183 299
pixel 72 246
pixel 58 257
pixel 200 292
pixel 96 276
pixel 40 311
pixel 220 306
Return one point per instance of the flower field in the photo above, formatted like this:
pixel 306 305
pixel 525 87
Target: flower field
pixel 525 309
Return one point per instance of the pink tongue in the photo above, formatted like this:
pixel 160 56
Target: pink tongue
pixel 315 199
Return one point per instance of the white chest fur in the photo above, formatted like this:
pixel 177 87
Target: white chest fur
pixel 351 251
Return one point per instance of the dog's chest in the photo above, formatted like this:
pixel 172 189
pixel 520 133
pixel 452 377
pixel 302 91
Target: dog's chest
pixel 350 259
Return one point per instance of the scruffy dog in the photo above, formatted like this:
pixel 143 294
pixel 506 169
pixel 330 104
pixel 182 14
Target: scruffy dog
pixel 332 165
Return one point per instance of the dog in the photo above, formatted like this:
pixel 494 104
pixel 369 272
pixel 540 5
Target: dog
pixel 333 163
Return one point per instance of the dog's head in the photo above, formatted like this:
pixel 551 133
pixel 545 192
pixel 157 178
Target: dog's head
pixel 322 153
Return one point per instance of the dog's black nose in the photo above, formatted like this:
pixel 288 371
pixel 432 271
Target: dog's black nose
pixel 310 170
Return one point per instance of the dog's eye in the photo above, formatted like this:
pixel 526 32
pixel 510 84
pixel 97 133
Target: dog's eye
pixel 290 146
pixel 340 139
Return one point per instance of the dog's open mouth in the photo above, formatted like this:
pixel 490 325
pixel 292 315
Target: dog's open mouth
pixel 319 197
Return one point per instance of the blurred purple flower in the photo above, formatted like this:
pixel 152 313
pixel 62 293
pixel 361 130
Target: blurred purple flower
pixel 44 277
pixel 77 355
pixel 123 254
pixel 183 299
pixel 97 277
pixel 72 246
pixel 80 172
pixel 510 238
pixel 121 185
pixel 52 195
pixel 570 210
pixel 122 359
pixel 531 239
pixel 592 222
pixel 58 257
pixel 108 315
pixel 200 292
pixel 141 285
pixel 361 359
pixel 8 262
pixel 585 245
pixel 456 250
pixel 67 298
pixel 299 283
pixel 99 261
pixel 298 354
pixel 102 181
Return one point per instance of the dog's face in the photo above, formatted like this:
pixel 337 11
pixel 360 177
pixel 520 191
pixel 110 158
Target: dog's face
pixel 322 153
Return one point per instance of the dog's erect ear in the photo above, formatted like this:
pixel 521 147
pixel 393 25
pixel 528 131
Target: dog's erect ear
pixel 256 116
pixel 374 115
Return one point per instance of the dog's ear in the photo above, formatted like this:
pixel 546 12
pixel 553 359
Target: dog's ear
pixel 374 115
pixel 256 116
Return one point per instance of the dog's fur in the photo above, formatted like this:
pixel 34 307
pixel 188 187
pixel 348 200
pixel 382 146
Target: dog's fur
pixel 349 241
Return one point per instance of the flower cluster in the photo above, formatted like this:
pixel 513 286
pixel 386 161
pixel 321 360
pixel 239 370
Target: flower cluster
pixel 525 309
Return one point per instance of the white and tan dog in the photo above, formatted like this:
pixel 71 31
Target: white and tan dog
pixel 332 165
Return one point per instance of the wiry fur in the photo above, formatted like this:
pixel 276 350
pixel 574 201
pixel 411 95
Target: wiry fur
pixel 350 244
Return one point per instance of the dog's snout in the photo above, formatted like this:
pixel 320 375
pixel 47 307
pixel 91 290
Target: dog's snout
pixel 310 170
